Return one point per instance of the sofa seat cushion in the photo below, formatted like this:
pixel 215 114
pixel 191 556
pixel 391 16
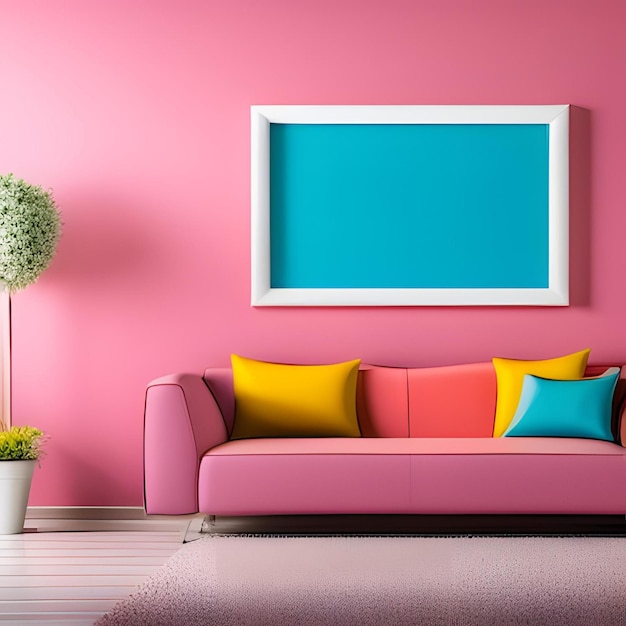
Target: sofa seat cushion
pixel 413 476
pixel 430 446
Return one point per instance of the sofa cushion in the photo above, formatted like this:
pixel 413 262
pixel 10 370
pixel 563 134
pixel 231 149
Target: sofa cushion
pixel 520 475
pixel 565 408
pixel 220 381
pixel 510 376
pixel 382 402
pixel 452 400
pixel 278 400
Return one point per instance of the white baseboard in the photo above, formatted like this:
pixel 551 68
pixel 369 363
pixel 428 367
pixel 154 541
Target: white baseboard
pixel 86 512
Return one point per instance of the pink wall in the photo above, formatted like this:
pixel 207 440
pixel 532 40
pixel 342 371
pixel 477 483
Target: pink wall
pixel 136 114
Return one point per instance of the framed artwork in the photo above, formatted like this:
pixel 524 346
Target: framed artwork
pixel 410 205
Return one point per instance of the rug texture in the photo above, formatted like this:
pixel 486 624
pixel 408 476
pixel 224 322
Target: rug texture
pixel 361 581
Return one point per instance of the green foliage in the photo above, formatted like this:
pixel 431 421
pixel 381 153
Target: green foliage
pixel 20 443
pixel 30 227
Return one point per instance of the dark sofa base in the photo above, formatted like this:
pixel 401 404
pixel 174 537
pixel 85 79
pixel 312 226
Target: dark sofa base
pixel 430 525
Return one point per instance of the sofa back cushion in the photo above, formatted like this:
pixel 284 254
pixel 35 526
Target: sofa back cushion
pixel 220 381
pixel 452 401
pixel 448 401
pixel 382 402
pixel 619 399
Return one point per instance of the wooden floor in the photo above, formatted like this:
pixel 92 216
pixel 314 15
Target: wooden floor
pixel 70 572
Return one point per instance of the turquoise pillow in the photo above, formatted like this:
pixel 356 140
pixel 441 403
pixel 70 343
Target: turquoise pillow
pixel 565 408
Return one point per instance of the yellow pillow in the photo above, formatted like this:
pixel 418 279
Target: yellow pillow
pixel 275 400
pixel 510 377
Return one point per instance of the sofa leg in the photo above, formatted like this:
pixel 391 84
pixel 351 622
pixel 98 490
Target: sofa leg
pixel 208 524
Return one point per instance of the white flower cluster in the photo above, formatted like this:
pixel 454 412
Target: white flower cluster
pixel 30 227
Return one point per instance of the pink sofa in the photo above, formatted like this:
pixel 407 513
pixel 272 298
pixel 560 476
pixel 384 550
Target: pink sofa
pixel 426 448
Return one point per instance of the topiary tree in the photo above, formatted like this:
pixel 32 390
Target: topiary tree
pixel 30 227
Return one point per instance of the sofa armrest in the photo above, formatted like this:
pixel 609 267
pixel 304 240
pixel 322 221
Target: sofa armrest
pixel 182 421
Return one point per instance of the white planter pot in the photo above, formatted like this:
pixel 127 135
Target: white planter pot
pixel 15 479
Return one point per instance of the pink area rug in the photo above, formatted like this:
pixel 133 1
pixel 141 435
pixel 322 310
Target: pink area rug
pixel 362 581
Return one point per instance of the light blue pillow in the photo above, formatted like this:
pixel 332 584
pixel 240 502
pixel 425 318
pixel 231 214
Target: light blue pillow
pixel 565 408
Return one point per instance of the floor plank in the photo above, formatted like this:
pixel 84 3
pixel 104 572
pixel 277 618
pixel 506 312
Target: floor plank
pixel 75 569
pixel 56 619
pixel 26 582
pixel 30 561
pixel 83 550
pixel 58 606
pixel 67 592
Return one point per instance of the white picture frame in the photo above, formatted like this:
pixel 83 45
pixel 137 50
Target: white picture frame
pixel 554 117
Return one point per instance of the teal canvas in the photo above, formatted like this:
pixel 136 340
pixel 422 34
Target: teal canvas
pixel 565 408
pixel 409 206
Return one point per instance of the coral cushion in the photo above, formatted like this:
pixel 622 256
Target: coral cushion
pixel 565 408
pixel 452 400
pixel 277 400
pixel 510 377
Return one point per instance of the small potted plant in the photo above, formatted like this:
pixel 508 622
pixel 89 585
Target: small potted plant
pixel 20 449
pixel 30 227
